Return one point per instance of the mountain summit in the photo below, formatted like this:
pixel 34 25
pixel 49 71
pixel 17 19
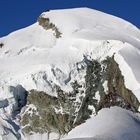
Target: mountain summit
pixel 67 68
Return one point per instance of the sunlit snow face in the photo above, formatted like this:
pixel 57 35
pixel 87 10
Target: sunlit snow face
pixel 34 58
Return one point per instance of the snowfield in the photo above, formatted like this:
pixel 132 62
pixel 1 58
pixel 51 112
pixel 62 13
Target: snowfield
pixel 33 50
pixel 118 125
pixel 33 58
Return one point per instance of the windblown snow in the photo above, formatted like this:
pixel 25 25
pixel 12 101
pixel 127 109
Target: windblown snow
pixel 33 57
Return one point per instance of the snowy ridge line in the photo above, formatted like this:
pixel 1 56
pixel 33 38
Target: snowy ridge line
pixel 33 58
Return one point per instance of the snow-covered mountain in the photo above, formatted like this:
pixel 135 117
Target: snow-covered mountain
pixel 110 124
pixel 65 69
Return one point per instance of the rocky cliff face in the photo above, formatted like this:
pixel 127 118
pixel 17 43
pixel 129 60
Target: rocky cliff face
pixel 103 87
pixel 118 94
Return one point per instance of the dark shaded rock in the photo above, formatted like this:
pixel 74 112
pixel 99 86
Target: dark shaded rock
pixel 93 83
pixel 45 118
pixel 112 99
pixel 1 45
pixel 4 103
pixel 118 94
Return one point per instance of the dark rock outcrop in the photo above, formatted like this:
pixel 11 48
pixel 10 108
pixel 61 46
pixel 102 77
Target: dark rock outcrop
pixel 44 113
pixel 47 24
pixel 118 94
pixel 1 45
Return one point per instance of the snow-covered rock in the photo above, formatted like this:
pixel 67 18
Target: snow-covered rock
pixel 55 56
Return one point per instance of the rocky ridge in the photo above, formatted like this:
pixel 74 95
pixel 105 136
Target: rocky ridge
pixel 103 88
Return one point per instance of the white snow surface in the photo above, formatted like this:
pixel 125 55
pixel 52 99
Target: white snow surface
pixel 110 124
pixel 32 53
pixel 35 59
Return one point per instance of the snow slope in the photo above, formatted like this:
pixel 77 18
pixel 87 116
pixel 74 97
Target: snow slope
pixel 32 50
pixel 118 125
pixel 35 59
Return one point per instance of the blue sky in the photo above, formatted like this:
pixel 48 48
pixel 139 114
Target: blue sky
pixel 16 14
